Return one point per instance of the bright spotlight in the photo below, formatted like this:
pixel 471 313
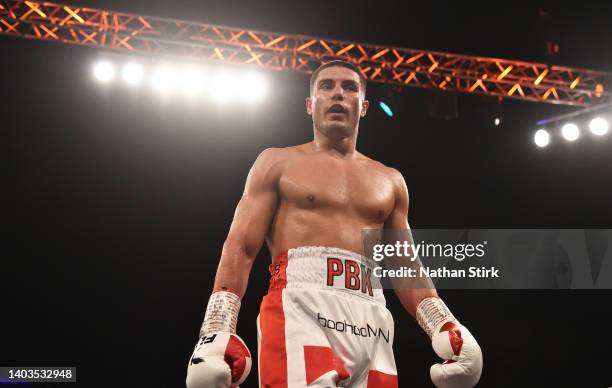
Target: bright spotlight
pixel 599 126
pixel 164 80
pixel 570 132
pixel 192 82
pixel 104 71
pixel 133 73
pixel 253 87
pixel 541 138
pixel 223 87
pixel 497 121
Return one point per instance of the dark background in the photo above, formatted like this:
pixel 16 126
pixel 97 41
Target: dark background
pixel 116 203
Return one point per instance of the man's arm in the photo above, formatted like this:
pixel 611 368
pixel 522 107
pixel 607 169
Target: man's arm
pixel 221 358
pixel 450 340
pixel 410 295
pixel 251 223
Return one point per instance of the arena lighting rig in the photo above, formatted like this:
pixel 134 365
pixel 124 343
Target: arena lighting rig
pixel 572 126
pixel 178 39
pixel 186 79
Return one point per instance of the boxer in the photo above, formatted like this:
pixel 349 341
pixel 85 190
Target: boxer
pixel 323 321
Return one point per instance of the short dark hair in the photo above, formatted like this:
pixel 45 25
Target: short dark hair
pixel 337 63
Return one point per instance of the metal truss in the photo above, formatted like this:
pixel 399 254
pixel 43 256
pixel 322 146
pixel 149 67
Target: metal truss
pixel 390 65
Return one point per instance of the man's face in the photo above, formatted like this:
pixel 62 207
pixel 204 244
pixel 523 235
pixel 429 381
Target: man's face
pixel 337 102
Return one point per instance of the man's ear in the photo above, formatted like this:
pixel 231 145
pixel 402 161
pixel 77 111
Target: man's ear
pixel 309 105
pixel 364 107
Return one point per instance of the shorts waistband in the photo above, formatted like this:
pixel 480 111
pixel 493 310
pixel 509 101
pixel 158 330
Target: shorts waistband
pixel 328 268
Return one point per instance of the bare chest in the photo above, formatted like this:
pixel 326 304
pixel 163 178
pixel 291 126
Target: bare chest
pixel 354 187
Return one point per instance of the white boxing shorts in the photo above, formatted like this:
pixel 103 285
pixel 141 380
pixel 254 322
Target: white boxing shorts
pixel 324 323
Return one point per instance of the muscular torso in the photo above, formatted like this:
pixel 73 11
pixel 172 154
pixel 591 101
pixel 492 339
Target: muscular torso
pixel 328 200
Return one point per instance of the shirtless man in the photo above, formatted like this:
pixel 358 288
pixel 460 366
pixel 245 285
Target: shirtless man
pixel 322 322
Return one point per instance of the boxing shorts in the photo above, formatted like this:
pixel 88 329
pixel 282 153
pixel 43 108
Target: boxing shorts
pixel 324 323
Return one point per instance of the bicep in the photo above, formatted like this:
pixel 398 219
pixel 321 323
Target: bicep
pixel 252 219
pixel 398 218
pixel 412 292
pixel 256 208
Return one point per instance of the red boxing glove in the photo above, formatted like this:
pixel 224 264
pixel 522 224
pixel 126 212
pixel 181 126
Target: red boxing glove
pixel 219 360
pixel 452 342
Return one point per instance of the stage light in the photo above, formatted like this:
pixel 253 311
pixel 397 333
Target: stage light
pixel 192 82
pixel 599 126
pixel 541 138
pixel 223 87
pixel 133 73
pixel 253 87
pixel 104 71
pixel 164 80
pixel 386 109
pixel 570 132
pixel 497 121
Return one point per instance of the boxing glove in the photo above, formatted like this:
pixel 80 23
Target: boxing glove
pixel 219 360
pixel 453 343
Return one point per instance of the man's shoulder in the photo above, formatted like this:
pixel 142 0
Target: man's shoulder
pixel 278 154
pixel 274 159
pixel 391 172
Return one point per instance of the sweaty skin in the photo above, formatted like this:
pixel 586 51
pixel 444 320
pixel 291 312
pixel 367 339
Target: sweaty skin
pixel 322 193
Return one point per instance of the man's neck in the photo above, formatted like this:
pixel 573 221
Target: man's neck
pixel 345 147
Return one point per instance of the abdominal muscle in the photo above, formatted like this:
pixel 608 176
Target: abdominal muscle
pixel 293 228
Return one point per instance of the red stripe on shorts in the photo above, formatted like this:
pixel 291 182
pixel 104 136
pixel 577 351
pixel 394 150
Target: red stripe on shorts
pixel 273 352
pixel 319 360
pixel 378 379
